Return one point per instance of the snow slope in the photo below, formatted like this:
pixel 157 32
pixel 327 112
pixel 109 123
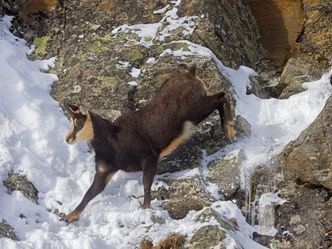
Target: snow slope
pixel 32 127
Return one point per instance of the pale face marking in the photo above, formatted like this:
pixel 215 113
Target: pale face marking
pixel 81 128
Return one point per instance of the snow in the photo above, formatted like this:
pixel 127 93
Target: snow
pixel 32 127
pixel 161 30
pixel 135 72
pixel 132 83
pixel 162 10
pixel 151 60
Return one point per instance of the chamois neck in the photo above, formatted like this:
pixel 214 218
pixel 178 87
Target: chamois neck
pixel 103 128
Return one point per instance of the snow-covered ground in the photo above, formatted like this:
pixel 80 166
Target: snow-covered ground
pixel 32 127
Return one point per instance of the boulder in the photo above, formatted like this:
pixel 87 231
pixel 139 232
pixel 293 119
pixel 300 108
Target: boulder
pixel 182 196
pixel 208 237
pixel 279 23
pixel 226 174
pixel 242 126
pixel 309 157
pixel 18 182
pixel 7 231
pixel 305 219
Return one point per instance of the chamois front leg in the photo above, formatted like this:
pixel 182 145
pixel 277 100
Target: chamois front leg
pixel 226 117
pixel 149 166
pixel 100 180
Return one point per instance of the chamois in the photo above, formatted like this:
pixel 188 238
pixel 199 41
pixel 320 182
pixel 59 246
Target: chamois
pixel 137 140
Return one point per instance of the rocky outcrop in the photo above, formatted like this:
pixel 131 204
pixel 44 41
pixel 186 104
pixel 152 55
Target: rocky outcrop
pixel 296 35
pixel 172 241
pixel 182 196
pixel 294 28
pixel 18 182
pixel 207 237
pixel 309 158
pixel 279 23
pixel 316 35
pixel 226 174
pixel 6 230
pixel 305 219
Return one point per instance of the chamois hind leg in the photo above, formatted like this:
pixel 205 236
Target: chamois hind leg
pixel 226 117
pixel 100 180
pixel 149 166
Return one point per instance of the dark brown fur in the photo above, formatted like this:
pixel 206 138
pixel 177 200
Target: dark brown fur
pixel 136 140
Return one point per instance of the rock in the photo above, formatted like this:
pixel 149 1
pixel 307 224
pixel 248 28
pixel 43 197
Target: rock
pixel 172 241
pixel 304 219
pixel 9 7
pixel 18 182
pixel 295 219
pixel 242 126
pixel 295 86
pixel 299 229
pixel 226 174
pixel 217 30
pixel 296 71
pixel 6 230
pixel 279 23
pixel 317 32
pixel 207 237
pixel 309 157
pixel 210 213
pixel 300 33
pixel 294 28
pixel 264 82
pixel 183 196
pixel 206 215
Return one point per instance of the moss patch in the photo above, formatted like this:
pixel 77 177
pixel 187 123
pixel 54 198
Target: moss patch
pixel 133 55
pixel 98 47
pixel 148 38
pixel 180 45
pixel 108 80
pixel 41 44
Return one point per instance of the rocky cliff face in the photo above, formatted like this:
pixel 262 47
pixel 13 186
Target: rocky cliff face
pixel 295 35
pixel 112 56
pixel 280 23
pixel 309 157
pixel 307 165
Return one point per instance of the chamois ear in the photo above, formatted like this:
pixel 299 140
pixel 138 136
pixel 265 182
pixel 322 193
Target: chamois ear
pixel 72 109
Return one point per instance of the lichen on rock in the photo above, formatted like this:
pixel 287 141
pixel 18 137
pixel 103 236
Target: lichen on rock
pixel 226 174
pixel 182 196
pixel 41 45
pixel 207 237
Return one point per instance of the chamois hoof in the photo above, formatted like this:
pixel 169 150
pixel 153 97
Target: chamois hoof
pixel 70 218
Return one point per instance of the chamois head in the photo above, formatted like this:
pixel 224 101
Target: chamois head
pixel 81 125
